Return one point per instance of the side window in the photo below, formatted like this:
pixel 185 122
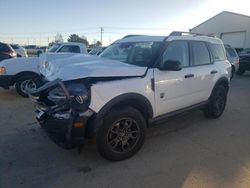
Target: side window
pixel 71 49
pixel 177 51
pixel 217 52
pixel 201 54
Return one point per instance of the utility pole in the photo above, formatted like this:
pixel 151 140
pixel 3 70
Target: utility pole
pixel 101 33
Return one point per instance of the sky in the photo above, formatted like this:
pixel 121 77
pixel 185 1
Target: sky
pixel 38 21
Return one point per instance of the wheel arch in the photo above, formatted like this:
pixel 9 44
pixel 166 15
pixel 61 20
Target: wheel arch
pixel 135 100
pixel 221 81
pixel 24 73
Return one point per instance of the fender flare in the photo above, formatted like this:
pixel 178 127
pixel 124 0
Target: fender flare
pixel 132 99
pixel 221 81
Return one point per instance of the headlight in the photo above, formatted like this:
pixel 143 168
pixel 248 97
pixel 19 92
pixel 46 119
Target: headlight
pixel 47 68
pixel 2 70
pixel 57 96
pixel 79 95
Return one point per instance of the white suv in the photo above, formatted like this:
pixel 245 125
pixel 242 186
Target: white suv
pixel 136 81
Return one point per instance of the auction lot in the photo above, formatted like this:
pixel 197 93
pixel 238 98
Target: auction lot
pixel 188 151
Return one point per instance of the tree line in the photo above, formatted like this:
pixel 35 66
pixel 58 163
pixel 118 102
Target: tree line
pixel 75 38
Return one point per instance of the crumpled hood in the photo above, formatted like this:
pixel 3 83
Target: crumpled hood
pixel 84 66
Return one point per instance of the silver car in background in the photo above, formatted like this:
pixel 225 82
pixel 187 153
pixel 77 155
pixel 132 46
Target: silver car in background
pixel 20 51
pixel 233 58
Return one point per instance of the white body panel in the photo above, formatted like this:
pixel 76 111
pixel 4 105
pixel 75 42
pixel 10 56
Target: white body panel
pixel 16 65
pixel 91 66
pixel 179 92
pixel 103 92
pixel 22 52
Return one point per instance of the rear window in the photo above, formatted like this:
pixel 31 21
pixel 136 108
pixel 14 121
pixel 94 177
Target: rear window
pixel 14 46
pixel 231 52
pixel 71 49
pixel 217 51
pixel 4 47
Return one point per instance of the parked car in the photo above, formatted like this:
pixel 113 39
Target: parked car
pixel 134 82
pixel 19 71
pixel 6 51
pixel 97 50
pixel 20 51
pixel 233 58
pixel 42 49
pixel 31 49
pixel 244 61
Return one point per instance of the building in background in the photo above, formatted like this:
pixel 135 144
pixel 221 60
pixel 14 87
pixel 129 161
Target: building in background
pixel 232 28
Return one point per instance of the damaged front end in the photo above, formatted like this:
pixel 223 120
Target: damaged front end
pixel 62 110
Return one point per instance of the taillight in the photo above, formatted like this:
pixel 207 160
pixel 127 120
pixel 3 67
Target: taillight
pixel 11 53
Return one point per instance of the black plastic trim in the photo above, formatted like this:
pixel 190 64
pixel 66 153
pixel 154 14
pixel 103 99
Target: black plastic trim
pixel 164 117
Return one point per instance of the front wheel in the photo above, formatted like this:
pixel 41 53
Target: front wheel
pixel 217 103
pixel 22 82
pixel 122 134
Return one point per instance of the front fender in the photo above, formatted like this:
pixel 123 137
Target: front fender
pixel 16 65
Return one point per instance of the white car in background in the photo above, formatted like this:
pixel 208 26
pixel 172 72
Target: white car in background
pixel 21 52
pixel 20 71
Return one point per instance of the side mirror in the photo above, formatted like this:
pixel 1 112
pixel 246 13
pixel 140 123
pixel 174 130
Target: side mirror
pixel 171 65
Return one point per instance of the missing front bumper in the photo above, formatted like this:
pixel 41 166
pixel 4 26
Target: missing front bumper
pixel 63 123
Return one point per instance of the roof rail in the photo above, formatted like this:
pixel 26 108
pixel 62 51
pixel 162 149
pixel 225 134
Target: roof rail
pixel 180 33
pixel 127 36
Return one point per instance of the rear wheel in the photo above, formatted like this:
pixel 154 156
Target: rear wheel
pixel 241 71
pixel 22 82
pixel 122 134
pixel 217 103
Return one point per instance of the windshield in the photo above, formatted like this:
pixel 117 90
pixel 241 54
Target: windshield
pixel 54 48
pixel 94 51
pixel 135 53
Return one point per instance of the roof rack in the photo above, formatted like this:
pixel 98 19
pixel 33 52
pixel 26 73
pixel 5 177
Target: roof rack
pixel 180 33
pixel 127 36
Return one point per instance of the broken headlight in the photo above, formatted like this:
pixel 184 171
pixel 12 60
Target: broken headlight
pixel 79 95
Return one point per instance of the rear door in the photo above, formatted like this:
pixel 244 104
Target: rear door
pixel 204 70
pixel 173 88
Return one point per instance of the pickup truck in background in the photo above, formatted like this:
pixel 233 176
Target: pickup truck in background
pixel 20 71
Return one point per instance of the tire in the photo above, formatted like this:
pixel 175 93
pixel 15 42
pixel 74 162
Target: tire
pixel 232 73
pixel 241 71
pixel 21 82
pixel 122 134
pixel 217 103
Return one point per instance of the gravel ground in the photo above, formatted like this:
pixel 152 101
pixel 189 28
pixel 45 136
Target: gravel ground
pixel 188 151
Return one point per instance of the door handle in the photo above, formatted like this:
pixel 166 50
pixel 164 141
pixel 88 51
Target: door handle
pixel 189 76
pixel 213 72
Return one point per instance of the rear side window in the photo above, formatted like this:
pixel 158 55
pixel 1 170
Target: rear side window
pixel 217 52
pixel 71 49
pixel 231 52
pixel 200 52
pixel 4 47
